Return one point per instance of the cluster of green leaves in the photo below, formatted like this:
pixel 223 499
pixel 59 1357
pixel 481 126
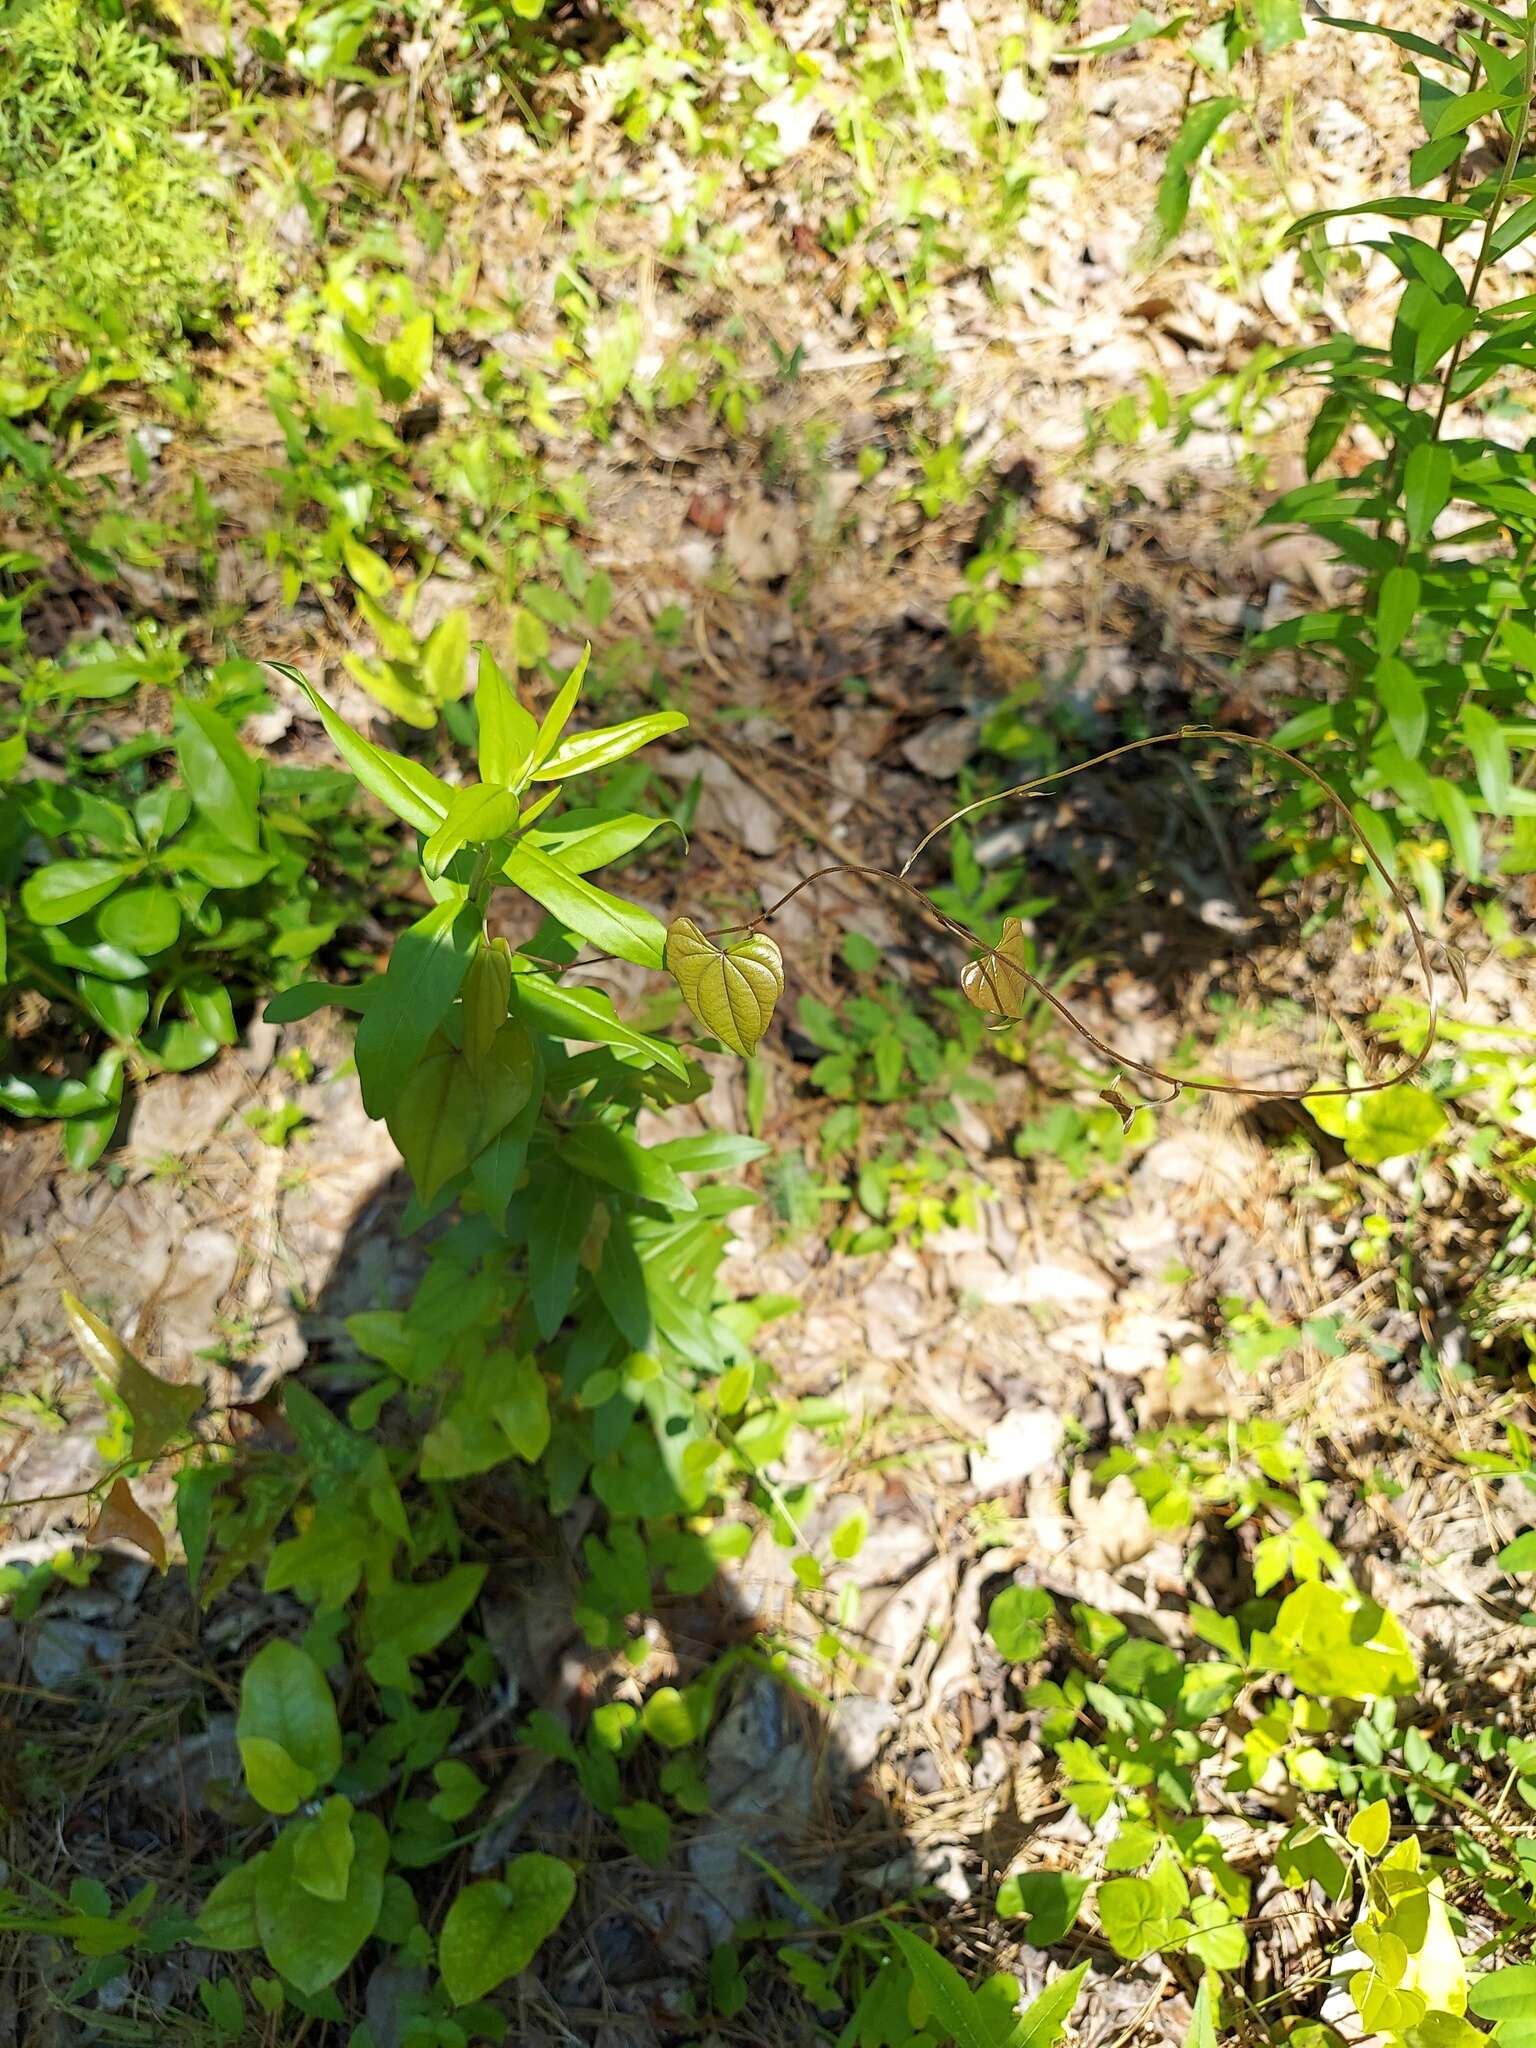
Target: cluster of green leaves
pixel 569 1336
pixel 1134 1732
pixel 366 456
pixel 878 1048
pixel 359 41
pixel 112 243
pixel 1240 1471
pixel 155 887
pixel 1432 658
pixel 1297 1705
pixel 1220 45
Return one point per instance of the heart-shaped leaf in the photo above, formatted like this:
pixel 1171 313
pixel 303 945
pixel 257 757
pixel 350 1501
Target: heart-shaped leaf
pixel 289 1737
pixel 494 1930
pixel 731 990
pixel 308 1939
pixel 999 982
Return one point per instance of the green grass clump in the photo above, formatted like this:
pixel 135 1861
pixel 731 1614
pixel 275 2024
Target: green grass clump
pixel 110 245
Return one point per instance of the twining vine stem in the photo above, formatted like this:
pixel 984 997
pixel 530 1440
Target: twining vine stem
pixel 991 964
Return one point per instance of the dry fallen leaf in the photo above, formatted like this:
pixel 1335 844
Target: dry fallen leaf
pixel 121 1520
pixel 762 540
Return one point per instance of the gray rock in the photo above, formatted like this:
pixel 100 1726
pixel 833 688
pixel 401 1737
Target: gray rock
pixel 391 1990
pixel 942 749
pixel 749 1736
pixel 60 1651
pixel 856 1734
pixel 189 1767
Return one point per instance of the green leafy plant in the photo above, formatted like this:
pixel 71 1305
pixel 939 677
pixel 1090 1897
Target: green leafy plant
pixel 153 893
pixel 568 1335
pixel 1429 659
pixel 112 243
pixel 1222 47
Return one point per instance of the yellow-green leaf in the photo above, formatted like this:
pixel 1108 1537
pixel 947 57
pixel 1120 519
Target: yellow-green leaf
pixel 999 981
pixel 445 658
pixel 477 814
pixel 486 1000
pixel 159 1411
pixel 557 717
pixel 370 572
pixel 396 641
pixel 732 990
pixel 1371 1827
pixel 507 730
pixel 584 751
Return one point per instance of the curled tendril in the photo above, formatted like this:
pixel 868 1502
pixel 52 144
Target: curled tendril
pixel 1001 975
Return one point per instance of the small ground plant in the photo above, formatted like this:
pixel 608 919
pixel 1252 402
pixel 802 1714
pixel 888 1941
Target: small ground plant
pixel 112 243
pixel 155 889
pixel 567 1338
pixel 1433 653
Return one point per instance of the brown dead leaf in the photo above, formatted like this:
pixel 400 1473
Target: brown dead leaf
pixel 709 511
pixel 122 1520
pixel 762 539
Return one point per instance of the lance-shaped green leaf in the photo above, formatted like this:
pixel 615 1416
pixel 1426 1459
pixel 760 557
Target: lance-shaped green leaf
pixel 508 735
pixel 557 717
pixel 620 928
pixel 223 780
pixel 159 1411
pixel 405 787
pixel 730 990
pixel 1177 182
pixel 476 814
pixel 584 751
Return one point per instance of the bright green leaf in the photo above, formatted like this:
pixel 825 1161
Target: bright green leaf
pixel 584 751
pixel 1391 1123
pixel 493 1931
pixel 310 1940
pixel 289 1737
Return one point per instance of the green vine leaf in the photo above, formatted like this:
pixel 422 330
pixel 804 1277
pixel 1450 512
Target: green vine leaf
pixel 998 982
pixel 731 990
